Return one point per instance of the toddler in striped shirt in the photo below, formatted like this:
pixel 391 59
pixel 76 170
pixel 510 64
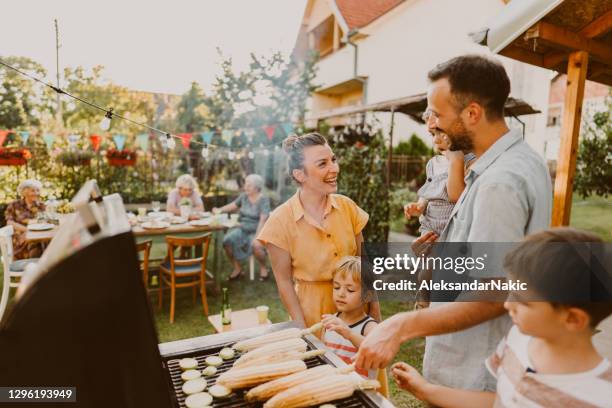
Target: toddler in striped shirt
pixel 346 329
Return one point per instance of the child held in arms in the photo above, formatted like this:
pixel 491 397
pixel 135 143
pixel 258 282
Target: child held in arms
pixel 547 359
pixel 345 330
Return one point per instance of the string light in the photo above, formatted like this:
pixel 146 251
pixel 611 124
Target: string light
pixel 231 155
pixel 105 123
pixel 266 152
pixel 205 152
pixel 170 141
pixel 251 155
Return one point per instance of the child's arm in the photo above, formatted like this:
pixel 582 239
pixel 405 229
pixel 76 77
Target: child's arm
pixel 415 209
pixel 455 183
pixel 331 322
pixel 409 379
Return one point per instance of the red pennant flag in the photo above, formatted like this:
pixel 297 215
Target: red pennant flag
pixel 270 129
pixel 3 134
pixel 95 141
pixel 186 139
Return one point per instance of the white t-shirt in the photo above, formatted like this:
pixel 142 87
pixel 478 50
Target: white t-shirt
pixel 518 385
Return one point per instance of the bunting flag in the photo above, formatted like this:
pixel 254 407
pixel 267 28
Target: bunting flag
pixel 95 141
pixel 49 138
pixel 143 141
pixel 288 128
pixel 226 135
pixel 207 136
pixel 270 129
pixel 250 133
pixel 186 139
pixel 119 141
pixel 25 135
pixel 3 134
pixel 73 139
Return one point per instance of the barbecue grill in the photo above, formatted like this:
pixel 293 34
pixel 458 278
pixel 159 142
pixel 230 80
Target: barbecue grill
pixel 202 347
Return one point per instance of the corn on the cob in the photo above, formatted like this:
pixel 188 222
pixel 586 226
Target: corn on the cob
pixel 328 388
pixel 278 357
pixel 265 339
pixel 271 349
pixel 268 390
pixel 250 376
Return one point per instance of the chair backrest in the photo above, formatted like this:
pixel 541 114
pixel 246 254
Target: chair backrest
pixel 144 246
pixel 6 246
pixel 202 241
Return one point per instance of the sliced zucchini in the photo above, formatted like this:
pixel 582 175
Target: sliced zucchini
pixel 327 406
pixel 199 400
pixel 219 391
pixel 227 353
pixel 214 361
pixel 209 371
pixel 188 364
pixel 194 386
pixel 190 375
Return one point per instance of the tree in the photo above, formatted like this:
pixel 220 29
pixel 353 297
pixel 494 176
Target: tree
pixel 193 113
pixel 22 101
pixel 594 161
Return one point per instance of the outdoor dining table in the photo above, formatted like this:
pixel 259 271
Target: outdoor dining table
pixel 217 229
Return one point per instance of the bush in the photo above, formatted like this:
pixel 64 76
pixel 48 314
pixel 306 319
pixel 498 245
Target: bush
pixel 399 223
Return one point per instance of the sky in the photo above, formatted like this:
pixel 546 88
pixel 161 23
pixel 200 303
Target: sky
pixel 154 45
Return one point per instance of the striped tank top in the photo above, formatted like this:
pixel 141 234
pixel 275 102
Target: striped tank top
pixel 346 350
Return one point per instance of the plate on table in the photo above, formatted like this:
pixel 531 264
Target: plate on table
pixel 201 223
pixel 155 225
pixel 160 214
pixel 42 226
pixel 177 220
pixel 205 214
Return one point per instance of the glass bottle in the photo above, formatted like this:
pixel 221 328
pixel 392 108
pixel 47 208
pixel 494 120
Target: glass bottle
pixel 226 309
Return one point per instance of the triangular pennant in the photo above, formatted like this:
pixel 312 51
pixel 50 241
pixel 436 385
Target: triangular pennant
pixel 186 139
pixel 73 139
pixel 3 134
pixel 226 135
pixel 207 136
pixel 49 138
pixel 288 128
pixel 119 141
pixel 25 135
pixel 270 129
pixel 143 141
pixel 95 141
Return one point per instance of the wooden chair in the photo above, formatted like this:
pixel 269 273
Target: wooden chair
pixel 184 273
pixel 12 270
pixel 145 248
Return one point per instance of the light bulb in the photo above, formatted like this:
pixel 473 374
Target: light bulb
pixel 347 131
pixel 266 152
pixel 170 141
pixel 251 155
pixel 231 155
pixel 205 152
pixel 105 123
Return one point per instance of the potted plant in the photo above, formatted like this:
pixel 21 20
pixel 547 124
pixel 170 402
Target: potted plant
pixel 14 157
pixel 74 157
pixel 185 207
pixel 121 158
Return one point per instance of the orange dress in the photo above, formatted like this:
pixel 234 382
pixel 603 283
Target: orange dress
pixel 315 250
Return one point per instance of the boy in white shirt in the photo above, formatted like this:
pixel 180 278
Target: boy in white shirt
pixel 547 359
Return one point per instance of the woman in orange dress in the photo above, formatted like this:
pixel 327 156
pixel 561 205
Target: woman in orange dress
pixel 308 234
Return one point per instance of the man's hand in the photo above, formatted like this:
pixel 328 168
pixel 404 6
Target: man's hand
pixel 380 345
pixel 409 379
pixel 334 323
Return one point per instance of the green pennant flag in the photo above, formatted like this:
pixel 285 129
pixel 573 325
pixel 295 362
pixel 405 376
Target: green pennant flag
pixel 143 141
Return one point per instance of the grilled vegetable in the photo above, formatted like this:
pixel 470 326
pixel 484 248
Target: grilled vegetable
pixel 327 406
pixel 199 400
pixel 296 344
pixel 328 388
pixel 256 342
pixel 219 391
pixel 268 390
pixel 209 371
pixel 188 364
pixel 227 353
pixel 214 361
pixel 250 376
pixel 194 386
pixel 190 375
pixel 279 357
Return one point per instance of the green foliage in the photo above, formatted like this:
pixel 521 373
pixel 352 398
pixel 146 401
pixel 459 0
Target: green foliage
pixel 74 157
pixel 413 147
pixel 192 112
pixel 399 223
pixel 594 161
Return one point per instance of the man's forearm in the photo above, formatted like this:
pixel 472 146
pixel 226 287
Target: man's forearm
pixel 448 318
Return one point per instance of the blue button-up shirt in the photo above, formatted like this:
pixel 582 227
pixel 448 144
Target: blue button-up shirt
pixel 508 195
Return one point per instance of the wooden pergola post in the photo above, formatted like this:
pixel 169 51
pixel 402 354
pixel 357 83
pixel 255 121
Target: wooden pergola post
pixel 570 130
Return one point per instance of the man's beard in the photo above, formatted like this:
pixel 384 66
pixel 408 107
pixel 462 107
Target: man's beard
pixel 461 138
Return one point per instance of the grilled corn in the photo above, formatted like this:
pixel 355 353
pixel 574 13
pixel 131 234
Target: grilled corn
pixel 296 344
pixel 279 357
pixel 256 342
pixel 251 376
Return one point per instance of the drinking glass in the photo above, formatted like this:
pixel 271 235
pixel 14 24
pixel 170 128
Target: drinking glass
pixel 155 205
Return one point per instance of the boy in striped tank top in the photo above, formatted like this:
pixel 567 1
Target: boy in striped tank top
pixel 345 330
pixel 548 358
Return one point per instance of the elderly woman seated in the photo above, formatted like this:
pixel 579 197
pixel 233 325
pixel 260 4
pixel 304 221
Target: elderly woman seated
pixel 22 212
pixel 186 191
pixel 239 243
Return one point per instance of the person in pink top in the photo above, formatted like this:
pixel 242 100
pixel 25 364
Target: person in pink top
pixel 186 189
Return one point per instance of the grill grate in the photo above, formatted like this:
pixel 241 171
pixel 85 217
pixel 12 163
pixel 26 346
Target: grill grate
pixel 236 400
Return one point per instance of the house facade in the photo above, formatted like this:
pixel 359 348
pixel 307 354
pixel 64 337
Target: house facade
pixel 377 50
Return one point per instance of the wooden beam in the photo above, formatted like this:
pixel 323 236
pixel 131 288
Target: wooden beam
pixel 601 25
pixel 558 37
pixel 570 130
pixel 523 55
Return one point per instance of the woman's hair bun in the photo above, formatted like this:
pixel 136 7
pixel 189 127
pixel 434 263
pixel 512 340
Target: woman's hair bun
pixel 289 143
